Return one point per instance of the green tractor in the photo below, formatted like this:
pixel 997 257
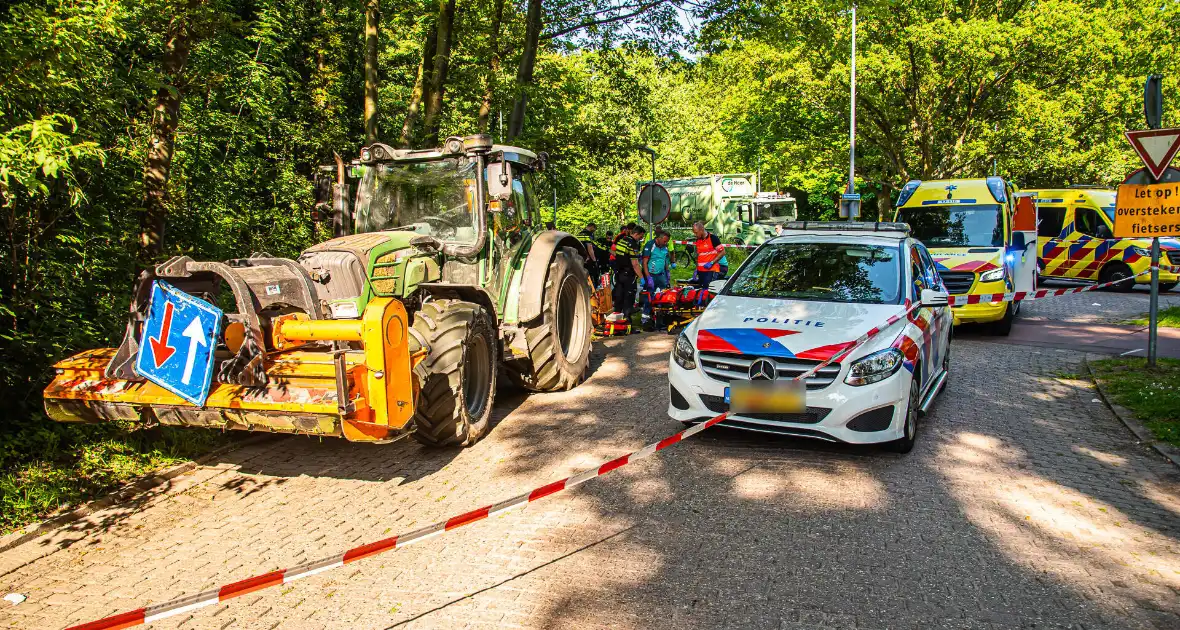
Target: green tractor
pixel 441 278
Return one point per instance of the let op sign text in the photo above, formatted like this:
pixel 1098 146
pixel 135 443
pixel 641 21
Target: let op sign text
pixel 1150 210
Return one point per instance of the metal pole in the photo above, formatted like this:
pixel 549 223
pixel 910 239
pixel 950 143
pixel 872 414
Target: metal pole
pixel 852 124
pixel 1154 303
pixel 1153 122
pixel 650 225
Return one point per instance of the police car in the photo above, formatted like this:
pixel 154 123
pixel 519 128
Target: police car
pixel 800 299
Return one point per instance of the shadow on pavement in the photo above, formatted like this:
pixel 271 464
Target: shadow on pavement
pixel 1019 507
pixel 1023 504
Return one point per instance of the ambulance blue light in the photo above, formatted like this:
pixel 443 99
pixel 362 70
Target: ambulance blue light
pixel 996 186
pixel 907 191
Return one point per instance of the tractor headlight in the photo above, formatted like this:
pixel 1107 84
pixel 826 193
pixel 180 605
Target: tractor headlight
pixel 878 366
pixel 995 275
pixel 344 310
pixel 683 353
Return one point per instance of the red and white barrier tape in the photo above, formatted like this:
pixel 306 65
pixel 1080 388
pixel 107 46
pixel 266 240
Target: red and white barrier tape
pixel 725 245
pixel 156 612
pixel 1024 296
pixel 860 341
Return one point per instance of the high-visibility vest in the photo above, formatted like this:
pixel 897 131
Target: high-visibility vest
pixel 626 246
pixel 586 238
pixel 707 255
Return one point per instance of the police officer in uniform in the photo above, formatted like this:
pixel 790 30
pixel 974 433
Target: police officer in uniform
pixel 627 270
pixel 586 235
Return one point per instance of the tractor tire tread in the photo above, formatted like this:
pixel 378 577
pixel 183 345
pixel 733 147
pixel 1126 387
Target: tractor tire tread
pixel 439 416
pixel 547 370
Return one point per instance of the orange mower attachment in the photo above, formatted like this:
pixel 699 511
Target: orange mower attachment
pixel 350 378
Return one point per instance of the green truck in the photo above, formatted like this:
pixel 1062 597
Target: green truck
pixel 729 205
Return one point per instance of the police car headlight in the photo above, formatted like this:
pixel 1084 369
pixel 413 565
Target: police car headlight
pixel 683 353
pixel 995 275
pixel 877 366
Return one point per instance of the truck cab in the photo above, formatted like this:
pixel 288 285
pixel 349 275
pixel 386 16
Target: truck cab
pixel 1075 240
pixel 982 238
pixel 729 205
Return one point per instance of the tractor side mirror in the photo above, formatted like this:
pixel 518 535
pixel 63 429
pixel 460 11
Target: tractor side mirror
pixel 500 180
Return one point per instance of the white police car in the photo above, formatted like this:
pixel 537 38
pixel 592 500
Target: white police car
pixel 798 300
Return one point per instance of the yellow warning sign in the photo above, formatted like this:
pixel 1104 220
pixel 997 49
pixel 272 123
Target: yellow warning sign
pixel 1148 210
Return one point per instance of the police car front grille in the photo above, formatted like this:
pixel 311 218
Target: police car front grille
pixel 724 367
pixel 813 415
pixel 957 282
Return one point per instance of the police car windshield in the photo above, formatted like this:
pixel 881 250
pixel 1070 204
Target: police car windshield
pixel 956 225
pixel 822 272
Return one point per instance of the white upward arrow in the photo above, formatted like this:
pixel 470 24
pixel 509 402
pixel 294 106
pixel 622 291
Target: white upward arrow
pixel 196 337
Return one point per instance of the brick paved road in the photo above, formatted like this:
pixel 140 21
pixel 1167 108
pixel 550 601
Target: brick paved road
pixel 1094 307
pixel 1024 503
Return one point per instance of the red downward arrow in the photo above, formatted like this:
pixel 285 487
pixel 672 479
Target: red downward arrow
pixel 160 348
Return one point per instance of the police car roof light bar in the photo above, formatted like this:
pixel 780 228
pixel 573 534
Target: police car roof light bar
pixel 849 226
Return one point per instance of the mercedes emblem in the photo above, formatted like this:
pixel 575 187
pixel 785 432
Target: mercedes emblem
pixel 763 370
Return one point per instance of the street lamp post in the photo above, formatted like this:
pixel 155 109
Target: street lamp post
pixel 853 205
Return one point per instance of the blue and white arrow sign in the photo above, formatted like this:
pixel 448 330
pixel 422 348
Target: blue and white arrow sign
pixel 177 343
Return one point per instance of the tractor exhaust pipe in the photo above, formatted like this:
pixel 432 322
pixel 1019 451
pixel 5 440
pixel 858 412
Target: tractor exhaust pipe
pixel 459 250
pixel 341 221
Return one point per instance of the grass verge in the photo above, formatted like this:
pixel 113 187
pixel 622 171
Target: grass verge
pixel 1152 394
pixel 1168 318
pixel 90 461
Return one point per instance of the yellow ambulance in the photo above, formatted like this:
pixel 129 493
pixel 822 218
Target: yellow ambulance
pixel 1075 240
pixel 982 238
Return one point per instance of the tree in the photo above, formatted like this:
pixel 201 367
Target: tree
pixel 372 25
pixel 162 144
pixel 485 108
pixel 444 35
pixel 421 86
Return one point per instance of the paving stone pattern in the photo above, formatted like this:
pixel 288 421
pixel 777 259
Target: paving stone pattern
pixel 1024 504
pixel 1094 307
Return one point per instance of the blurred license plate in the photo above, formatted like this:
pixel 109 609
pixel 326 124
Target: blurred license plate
pixel 766 397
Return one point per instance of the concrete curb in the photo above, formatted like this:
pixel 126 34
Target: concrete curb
pixel 123 494
pixel 1127 417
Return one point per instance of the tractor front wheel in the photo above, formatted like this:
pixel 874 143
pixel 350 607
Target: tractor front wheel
pixel 457 378
pixel 559 340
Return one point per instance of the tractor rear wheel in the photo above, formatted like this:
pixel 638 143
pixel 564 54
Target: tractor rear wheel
pixel 457 378
pixel 559 340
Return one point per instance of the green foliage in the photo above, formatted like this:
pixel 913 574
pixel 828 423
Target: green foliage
pixel 1169 317
pixel 107 457
pixel 36 153
pixel 1153 395
pixel 1041 92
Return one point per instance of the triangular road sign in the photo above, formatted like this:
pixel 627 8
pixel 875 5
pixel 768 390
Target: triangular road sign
pixel 1156 147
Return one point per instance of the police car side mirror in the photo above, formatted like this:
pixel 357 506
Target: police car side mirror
pixel 716 286
pixel 930 297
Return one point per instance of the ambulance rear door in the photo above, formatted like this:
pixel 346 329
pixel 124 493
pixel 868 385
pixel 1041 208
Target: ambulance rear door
pixel 1022 248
